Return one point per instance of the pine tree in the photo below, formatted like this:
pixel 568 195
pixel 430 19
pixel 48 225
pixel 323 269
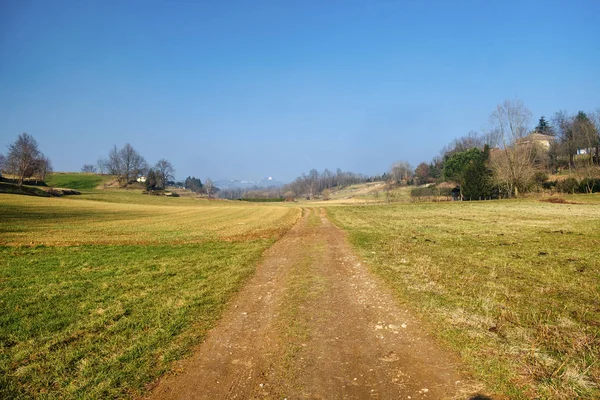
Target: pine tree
pixel 543 127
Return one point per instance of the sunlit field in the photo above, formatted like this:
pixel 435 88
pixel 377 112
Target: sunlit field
pixel 72 221
pixel 513 286
pixel 100 293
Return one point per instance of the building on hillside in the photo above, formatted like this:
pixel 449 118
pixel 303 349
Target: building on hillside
pixel 141 179
pixel 537 139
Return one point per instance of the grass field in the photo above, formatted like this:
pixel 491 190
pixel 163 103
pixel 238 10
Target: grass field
pixel 77 181
pixel 513 286
pixel 99 293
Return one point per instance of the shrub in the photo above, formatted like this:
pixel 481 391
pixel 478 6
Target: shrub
pixel 431 191
pixel 569 185
pixel 540 177
pixel 549 184
pixel 589 185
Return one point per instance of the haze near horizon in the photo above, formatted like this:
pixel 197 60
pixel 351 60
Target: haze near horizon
pixel 246 90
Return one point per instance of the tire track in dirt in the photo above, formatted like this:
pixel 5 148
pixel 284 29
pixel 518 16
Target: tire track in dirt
pixel 314 323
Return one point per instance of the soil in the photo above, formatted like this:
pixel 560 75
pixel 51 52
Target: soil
pixel 558 200
pixel 314 323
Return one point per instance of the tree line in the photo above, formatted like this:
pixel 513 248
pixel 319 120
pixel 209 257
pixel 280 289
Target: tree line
pixel 315 183
pixel 510 158
pixel 129 166
pixel 507 160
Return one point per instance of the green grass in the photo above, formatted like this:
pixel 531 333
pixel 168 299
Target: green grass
pixel 102 321
pixel 97 298
pixel 77 181
pixel 513 286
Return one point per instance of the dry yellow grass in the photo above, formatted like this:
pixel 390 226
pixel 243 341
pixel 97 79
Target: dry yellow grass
pixel 60 221
pixel 511 285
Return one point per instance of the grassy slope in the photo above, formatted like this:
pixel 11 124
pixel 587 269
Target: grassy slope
pixel 99 297
pixel 512 285
pixel 77 181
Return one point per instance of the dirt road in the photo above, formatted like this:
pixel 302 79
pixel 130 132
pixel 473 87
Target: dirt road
pixel 313 323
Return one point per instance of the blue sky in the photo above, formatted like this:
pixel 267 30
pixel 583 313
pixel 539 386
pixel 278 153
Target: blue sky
pixel 247 89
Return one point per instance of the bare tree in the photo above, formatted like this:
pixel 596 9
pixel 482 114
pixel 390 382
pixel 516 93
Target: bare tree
pixel 25 159
pixel 401 171
pixel 328 179
pixel 422 173
pixel 126 163
pixel 133 164
pixel 164 172
pixel 42 167
pixel 113 163
pixel 464 143
pixel 89 168
pixel 585 136
pixel 209 186
pixel 510 123
pixel 2 162
pixel 563 126
pixel 595 118
pixel 102 165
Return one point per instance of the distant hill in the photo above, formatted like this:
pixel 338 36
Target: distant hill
pixel 237 184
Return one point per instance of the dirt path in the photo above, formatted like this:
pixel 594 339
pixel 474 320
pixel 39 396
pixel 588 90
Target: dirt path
pixel 313 323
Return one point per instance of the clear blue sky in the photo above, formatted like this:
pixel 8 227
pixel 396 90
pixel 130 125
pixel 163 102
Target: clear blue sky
pixel 246 89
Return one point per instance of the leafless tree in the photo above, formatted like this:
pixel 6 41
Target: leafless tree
pixel 585 137
pixel 209 186
pixel 25 159
pixel 514 165
pixel 2 162
pixel 42 167
pixel 126 163
pixel 464 143
pixel 401 171
pixel 514 169
pixel 422 173
pixel 595 118
pixel 89 168
pixel 132 163
pixel 164 172
pixel 327 179
pixel 102 165
pixel 563 126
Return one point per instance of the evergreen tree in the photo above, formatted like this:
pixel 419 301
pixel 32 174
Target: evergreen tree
pixel 477 178
pixel 470 171
pixel 544 127
pixel 193 184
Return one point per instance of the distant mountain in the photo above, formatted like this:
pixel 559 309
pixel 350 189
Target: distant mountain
pixel 237 184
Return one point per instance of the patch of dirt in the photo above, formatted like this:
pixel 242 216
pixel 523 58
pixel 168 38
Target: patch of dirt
pixel 558 200
pixel 314 323
pixel 112 183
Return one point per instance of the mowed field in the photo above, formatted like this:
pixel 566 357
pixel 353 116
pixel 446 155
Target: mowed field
pixel 513 285
pixel 99 293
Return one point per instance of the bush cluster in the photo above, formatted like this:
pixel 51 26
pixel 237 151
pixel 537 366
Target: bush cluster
pixel 431 191
pixel 571 185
